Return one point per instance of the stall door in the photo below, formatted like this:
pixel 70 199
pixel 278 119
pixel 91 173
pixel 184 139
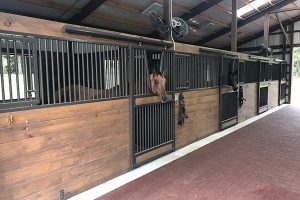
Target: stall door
pixel 228 97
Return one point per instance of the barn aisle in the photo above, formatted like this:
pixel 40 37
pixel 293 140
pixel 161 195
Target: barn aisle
pixel 259 161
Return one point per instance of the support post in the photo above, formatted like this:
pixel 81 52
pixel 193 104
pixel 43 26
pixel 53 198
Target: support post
pixel 283 30
pixel 234 26
pixel 290 74
pixel 284 46
pixel 266 30
pixel 167 15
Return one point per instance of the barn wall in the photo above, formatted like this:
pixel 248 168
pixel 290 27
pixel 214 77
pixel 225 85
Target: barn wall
pixel 249 108
pixel 71 147
pixel 202 108
pixel 273 94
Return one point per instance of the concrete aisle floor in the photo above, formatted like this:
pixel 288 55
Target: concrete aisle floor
pixel 259 161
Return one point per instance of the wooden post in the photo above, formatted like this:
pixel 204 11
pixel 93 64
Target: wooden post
pixel 266 30
pixel 234 26
pixel 291 61
pixel 167 15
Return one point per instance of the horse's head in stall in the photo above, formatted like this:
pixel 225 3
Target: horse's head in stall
pixel 233 80
pixel 158 84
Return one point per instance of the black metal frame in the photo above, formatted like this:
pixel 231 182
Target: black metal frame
pixel 221 80
pixel 134 108
pixel 282 81
pixel 11 106
pixel 32 69
pixel 262 84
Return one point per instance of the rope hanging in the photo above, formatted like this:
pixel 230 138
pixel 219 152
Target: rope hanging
pixel 241 96
pixel 181 110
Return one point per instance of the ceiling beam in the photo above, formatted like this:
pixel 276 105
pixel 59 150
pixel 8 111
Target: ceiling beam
pixel 199 9
pixel 261 33
pixel 90 7
pixel 245 21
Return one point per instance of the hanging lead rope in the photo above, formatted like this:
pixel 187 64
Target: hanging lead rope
pixel 181 110
pixel 241 96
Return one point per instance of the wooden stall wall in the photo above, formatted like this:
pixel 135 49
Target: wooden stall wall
pixel 70 148
pixel 202 108
pixel 273 94
pixel 249 108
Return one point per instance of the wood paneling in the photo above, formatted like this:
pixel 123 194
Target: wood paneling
pixel 154 153
pixel 70 148
pixel 249 108
pixel 202 108
pixel 273 94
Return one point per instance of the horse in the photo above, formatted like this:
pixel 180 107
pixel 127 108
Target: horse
pixel 157 84
pixel 233 80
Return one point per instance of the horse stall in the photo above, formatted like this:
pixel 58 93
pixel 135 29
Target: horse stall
pixel 78 110
pixel 260 80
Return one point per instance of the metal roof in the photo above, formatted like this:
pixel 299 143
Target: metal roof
pixel 126 16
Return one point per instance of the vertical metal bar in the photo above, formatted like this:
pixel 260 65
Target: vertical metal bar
pixel 108 70
pixel 135 56
pixel 30 82
pixel 64 70
pixel 78 69
pixel 131 113
pixel 96 69
pixel 41 72
pixel 121 72
pixel 126 69
pixel 24 71
pixel 112 66
pixel 2 73
pixel 52 71
pixel 69 71
pixel 9 69
pixel 83 70
pixel 101 67
pixel 115 72
pixel 47 71
pixel 92 70
pixel 87 70
pixel 17 70
pixel 138 68
pixel 74 71
pixel 58 71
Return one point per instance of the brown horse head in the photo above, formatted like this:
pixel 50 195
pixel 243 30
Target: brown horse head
pixel 233 80
pixel 158 85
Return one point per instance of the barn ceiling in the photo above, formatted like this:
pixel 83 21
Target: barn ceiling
pixel 209 21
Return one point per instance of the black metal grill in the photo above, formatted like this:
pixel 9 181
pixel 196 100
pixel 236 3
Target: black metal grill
pixel 153 127
pixel 204 72
pixel 72 71
pixel 18 72
pixel 153 123
pixel 182 71
pixel 144 62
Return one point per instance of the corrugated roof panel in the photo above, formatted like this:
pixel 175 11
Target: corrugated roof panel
pixel 218 15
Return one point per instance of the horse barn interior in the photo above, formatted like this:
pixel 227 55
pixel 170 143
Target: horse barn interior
pixel 152 99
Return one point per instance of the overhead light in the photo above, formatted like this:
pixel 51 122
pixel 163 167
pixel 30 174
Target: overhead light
pixel 251 6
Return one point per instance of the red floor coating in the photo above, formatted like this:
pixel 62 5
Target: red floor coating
pixel 259 161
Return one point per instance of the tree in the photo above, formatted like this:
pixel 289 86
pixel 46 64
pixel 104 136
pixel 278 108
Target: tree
pixel 8 64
